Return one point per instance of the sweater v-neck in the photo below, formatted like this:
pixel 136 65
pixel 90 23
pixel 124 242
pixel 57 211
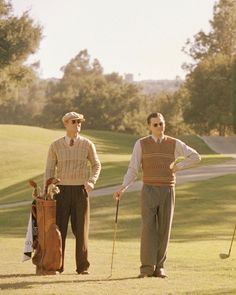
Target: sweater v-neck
pixel 157 139
pixel 68 146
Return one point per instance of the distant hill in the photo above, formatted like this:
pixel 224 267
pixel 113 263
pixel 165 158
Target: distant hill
pixel 158 86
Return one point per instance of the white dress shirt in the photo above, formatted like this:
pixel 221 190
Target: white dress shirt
pixel 68 139
pixel 191 157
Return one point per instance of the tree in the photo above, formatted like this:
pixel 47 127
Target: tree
pixel 19 37
pixel 220 39
pixel 105 100
pixel 208 81
pixel 209 87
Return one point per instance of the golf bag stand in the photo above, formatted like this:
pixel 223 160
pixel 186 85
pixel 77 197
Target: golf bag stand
pixel 48 244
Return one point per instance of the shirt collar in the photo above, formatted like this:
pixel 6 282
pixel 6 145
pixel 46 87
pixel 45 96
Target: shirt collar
pixel 156 139
pixel 67 139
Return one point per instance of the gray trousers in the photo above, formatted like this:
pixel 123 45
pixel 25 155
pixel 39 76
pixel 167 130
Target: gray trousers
pixel 157 209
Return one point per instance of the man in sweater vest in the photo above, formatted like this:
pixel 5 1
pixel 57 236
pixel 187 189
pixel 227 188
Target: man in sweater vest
pixel 157 155
pixel 67 160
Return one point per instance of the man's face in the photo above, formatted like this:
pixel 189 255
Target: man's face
pixel 157 126
pixel 73 126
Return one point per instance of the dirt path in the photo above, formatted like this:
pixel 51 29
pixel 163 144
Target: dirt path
pixel 222 145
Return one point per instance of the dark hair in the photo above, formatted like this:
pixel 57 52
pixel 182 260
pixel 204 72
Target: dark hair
pixel 154 115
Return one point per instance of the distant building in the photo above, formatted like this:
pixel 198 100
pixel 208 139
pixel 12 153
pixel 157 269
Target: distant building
pixel 129 78
pixel 158 86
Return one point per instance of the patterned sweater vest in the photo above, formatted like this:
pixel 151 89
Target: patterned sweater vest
pixel 156 160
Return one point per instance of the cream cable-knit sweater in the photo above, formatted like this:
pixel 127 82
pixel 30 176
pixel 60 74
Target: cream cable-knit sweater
pixel 70 163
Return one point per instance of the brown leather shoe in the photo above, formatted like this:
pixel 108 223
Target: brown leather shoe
pixel 61 270
pixel 144 275
pixel 160 273
pixel 84 272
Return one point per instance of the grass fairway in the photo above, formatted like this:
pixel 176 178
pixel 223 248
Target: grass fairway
pixel 24 153
pixel 203 225
pixel 23 157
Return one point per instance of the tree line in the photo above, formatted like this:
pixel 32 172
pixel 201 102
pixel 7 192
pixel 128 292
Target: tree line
pixel 204 104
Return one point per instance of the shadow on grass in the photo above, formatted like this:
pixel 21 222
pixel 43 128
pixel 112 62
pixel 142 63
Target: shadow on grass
pixel 20 191
pixel 218 291
pixel 112 174
pixel 197 143
pixel 29 284
pixel 121 143
pixel 10 276
pixel 107 142
pixel 204 210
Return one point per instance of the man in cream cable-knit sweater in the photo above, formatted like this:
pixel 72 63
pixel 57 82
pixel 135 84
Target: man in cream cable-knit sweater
pixel 67 160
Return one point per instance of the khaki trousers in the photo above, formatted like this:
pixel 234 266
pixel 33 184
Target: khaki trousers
pixel 157 209
pixel 73 204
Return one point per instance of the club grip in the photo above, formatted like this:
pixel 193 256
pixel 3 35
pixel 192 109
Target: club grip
pixel 117 209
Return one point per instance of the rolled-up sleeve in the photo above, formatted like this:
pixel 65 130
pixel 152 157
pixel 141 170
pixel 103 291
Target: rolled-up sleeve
pixel 95 163
pixel 134 165
pixel 190 155
pixel 50 164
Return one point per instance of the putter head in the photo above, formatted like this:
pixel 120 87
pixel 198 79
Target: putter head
pixel 224 256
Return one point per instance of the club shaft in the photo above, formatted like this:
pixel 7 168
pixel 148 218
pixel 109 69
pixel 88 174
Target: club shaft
pixel 231 244
pixel 117 210
pixel 114 236
pixel 113 247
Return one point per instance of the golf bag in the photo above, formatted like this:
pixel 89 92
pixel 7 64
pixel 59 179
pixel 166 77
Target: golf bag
pixel 47 242
pixel 48 245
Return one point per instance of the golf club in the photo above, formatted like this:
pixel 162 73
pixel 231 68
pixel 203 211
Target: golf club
pixel 224 255
pixel 114 236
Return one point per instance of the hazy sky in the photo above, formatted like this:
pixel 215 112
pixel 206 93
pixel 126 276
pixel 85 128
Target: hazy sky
pixel 143 37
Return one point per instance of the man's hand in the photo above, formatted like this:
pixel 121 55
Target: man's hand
pixel 173 167
pixel 117 195
pixel 89 186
